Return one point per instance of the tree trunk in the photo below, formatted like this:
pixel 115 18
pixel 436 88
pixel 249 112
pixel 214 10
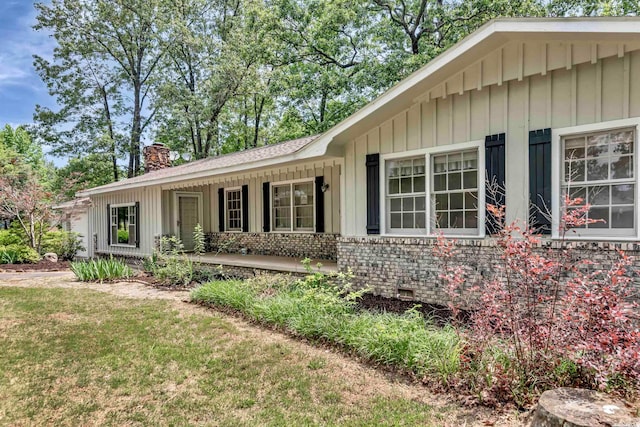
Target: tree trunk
pixel 107 114
pixel 134 149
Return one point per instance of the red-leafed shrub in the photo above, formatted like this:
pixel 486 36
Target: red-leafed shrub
pixel 544 317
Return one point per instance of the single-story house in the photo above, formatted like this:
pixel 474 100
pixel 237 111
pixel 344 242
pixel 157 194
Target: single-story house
pixel 536 105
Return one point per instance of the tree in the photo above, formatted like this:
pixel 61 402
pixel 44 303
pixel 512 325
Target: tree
pixel 81 173
pixel 17 143
pixel 215 47
pixel 124 38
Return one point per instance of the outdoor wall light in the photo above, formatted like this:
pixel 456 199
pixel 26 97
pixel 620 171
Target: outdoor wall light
pixel 324 187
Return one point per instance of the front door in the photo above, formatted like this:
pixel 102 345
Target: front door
pixel 188 219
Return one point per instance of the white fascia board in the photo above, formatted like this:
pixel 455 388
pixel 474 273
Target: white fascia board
pixel 618 25
pixel 298 155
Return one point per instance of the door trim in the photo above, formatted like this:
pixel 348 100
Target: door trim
pixel 176 208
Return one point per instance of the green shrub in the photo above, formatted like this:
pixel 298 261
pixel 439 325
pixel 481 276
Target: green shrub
pixel 10 237
pixel 322 307
pixel 101 270
pixel 63 243
pixel 170 264
pixel 18 254
pixel 123 236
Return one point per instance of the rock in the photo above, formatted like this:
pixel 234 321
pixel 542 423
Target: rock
pixel 50 256
pixel 575 407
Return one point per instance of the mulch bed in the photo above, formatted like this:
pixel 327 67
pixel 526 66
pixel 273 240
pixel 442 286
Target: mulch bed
pixel 440 314
pixel 40 266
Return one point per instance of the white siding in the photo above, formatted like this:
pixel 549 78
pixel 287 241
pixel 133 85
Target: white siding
pixel 515 96
pixel 150 220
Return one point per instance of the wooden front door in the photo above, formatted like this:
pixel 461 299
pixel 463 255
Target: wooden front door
pixel 188 211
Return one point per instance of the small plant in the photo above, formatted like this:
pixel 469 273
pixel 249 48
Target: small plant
pixel 198 240
pixel 63 243
pixel 170 264
pixel 100 270
pixel 18 254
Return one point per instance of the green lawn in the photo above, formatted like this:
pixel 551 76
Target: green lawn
pixel 83 357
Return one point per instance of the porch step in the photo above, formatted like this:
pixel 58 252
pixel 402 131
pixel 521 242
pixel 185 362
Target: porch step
pixel 266 262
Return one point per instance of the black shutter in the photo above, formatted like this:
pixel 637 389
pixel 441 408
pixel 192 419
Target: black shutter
pixel 108 224
pixel 221 209
pixel 319 204
pixel 137 224
pixel 245 208
pixel 494 149
pixel 266 207
pixel 373 193
pixel 540 180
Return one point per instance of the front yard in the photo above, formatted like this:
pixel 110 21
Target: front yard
pixel 76 356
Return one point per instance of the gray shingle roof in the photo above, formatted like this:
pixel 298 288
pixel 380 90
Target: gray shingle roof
pixel 213 163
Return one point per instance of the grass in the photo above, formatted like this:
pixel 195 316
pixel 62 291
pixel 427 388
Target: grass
pixel 315 309
pixel 101 270
pixel 77 357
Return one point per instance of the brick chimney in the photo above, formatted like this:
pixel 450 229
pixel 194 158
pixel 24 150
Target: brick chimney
pixel 156 157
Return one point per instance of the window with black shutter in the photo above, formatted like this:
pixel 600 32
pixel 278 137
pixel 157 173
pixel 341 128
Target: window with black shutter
pixel 373 193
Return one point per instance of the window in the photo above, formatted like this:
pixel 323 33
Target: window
pixel 406 198
pixel 123 225
pixel 438 190
pixel 234 210
pixel 293 206
pixel 599 168
pixel 454 191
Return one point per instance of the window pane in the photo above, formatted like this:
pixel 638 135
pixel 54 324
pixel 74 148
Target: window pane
pixel 442 219
pixel 574 171
pixel 470 160
pixel 454 162
pixel 396 220
pixel 455 181
pixel 418 184
pixel 396 205
pixel 622 194
pixel 470 200
pixel 418 166
pixel 621 167
pixel 407 220
pixel 442 201
pixel 420 205
pixel 405 185
pixel 394 186
pixel 407 204
pixel 471 219
pixel 439 182
pixel 456 219
pixel 598 145
pixel 601 214
pixel 455 201
pixel 598 195
pixel 439 164
pixel 597 169
pixel 405 168
pixel 622 216
pixel 420 220
pixel 471 179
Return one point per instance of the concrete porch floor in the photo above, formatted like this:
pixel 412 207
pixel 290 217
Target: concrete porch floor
pixel 265 262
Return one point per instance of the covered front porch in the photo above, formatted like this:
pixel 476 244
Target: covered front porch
pixel 265 263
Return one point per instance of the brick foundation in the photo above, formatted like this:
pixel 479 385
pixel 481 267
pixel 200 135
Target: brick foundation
pixel 295 245
pixel 389 265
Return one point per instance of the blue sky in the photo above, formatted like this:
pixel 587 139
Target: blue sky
pixel 20 87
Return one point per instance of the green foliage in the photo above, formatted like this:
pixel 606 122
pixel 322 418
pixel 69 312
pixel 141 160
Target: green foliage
pixel 198 240
pixel 63 243
pixel 322 307
pixel 101 270
pixel 170 264
pixel 10 237
pixel 18 254
pixel 123 236
pixel 84 172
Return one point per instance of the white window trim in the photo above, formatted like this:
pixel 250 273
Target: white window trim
pixel 428 153
pixel 291 182
pixel 120 205
pixel 226 210
pixel 176 208
pixel 557 158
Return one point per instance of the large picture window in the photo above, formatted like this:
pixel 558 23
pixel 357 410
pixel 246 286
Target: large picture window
pixel 123 225
pixel 234 209
pixel 438 190
pixel 293 206
pixel 599 167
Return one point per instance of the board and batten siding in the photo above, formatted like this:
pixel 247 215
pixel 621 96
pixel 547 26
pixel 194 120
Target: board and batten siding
pixel 572 86
pixel 150 220
pixel 329 169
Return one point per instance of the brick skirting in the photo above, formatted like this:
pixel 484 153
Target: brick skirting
pixel 295 245
pixel 389 265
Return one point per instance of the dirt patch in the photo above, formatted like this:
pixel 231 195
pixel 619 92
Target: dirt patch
pixel 42 265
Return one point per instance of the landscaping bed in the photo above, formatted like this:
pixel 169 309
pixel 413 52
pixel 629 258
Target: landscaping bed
pixel 42 265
